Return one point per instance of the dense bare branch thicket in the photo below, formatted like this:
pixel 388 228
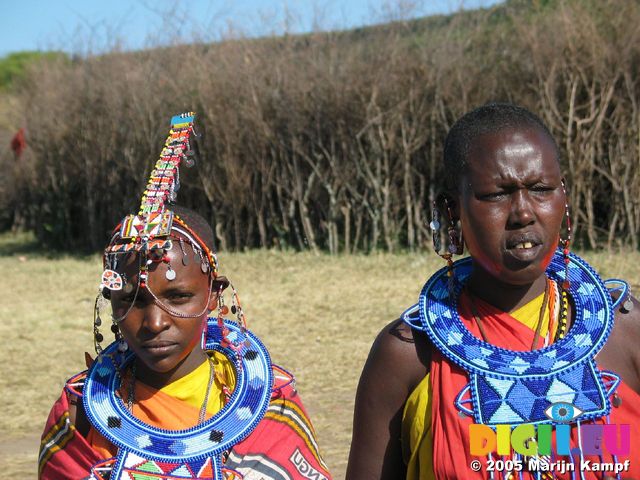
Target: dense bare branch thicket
pixel 333 141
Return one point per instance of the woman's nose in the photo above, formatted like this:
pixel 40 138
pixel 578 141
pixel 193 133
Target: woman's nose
pixel 521 213
pixel 155 319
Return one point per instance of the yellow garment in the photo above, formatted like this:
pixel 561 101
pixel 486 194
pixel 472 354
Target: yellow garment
pixel 160 409
pixel 417 442
pixel 529 315
pixel 189 389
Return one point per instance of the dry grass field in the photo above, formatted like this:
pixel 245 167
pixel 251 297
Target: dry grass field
pixel 317 314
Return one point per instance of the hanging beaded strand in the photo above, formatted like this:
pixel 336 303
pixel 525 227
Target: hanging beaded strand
pixel 222 311
pixel 236 308
pixel 435 228
pixel 97 322
pixel 456 245
pixel 566 243
pixel 564 315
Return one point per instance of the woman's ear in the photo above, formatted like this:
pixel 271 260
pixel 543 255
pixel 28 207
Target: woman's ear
pixel 218 286
pixel 213 301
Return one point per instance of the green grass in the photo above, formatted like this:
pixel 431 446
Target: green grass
pixel 318 315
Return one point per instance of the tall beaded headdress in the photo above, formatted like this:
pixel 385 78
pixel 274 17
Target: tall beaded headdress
pixel 150 229
pixel 154 230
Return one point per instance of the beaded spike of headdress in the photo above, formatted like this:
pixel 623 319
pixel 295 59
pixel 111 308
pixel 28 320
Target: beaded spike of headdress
pixel 150 230
pixel 151 227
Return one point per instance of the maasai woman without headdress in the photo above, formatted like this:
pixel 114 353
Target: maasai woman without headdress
pixel 178 395
pixel 510 365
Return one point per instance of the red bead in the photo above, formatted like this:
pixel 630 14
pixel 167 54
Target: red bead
pixel 566 251
pixel 565 284
pixel 224 310
pixel 566 260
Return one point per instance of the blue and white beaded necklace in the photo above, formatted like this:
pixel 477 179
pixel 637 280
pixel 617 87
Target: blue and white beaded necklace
pixel 188 453
pixel 516 387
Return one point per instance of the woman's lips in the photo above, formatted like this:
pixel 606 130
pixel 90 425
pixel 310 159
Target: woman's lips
pixel 159 348
pixel 525 251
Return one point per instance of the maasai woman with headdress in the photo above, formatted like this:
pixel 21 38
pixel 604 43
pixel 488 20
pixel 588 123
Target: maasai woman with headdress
pixel 179 394
pixel 517 362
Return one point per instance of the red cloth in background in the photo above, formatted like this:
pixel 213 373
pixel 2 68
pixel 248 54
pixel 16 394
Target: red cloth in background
pixel 18 143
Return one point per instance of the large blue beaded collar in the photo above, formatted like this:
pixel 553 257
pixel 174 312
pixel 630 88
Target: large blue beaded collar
pixel 515 387
pixel 192 453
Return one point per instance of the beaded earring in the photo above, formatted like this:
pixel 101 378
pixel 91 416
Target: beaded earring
pixel 123 346
pixel 222 311
pixel 236 309
pixel 98 338
pixel 566 243
pixel 456 244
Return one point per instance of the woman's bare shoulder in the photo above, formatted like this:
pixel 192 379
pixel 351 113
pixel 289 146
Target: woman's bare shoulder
pixel 397 362
pixel 406 349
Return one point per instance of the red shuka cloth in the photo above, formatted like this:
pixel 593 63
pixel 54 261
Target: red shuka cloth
pixel 451 432
pixel 283 442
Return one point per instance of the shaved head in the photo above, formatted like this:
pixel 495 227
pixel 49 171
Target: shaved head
pixel 487 119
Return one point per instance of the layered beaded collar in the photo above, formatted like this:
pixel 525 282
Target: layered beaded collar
pixel 515 387
pixel 197 451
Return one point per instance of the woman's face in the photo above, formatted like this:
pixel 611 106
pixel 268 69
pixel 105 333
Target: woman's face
pixel 167 346
pixel 511 204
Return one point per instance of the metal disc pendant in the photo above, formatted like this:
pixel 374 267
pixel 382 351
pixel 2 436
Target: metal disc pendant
pixel 170 274
pixel 628 305
pixel 185 259
pixel 204 266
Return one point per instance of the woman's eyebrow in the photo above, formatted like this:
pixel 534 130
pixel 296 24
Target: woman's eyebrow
pixel 178 289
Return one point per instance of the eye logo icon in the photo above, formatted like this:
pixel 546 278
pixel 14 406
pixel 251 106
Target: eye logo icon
pixel 562 412
pixel 595 438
